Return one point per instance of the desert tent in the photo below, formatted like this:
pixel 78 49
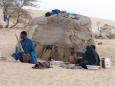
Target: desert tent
pixel 57 34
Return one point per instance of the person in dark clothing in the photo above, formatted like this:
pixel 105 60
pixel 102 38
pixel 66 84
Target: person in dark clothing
pixel 90 57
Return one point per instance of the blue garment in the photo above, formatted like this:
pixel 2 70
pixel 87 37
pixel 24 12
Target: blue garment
pixel 29 48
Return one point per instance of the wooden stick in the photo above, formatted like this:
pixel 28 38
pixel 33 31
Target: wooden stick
pixel 22 50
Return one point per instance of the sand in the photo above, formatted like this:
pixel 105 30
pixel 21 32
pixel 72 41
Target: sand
pixel 107 49
pixel 17 74
pixel 8 41
pixel 20 74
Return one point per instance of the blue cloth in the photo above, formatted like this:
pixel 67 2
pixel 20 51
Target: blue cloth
pixel 55 11
pixel 29 48
pixel 17 56
pixel 5 18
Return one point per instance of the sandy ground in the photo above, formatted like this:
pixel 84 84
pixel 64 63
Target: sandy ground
pixel 107 49
pixel 20 74
pixel 8 41
pixel 101 22
pixel 17 74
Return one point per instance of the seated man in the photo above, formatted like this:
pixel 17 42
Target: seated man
pixel 28 48
pixel 90 57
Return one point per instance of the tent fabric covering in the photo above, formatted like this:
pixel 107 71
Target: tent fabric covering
pixel 64 32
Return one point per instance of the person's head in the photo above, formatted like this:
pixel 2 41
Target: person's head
pixel 23 35
pixel 93 46
pixel 88 47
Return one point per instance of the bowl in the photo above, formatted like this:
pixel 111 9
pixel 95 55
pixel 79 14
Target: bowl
pixel 93 67
pixel 71 65
pixel 56 62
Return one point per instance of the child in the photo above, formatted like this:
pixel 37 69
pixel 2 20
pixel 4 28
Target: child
pixel 72 59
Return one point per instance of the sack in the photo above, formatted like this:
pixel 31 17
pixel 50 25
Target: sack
pixel 26 58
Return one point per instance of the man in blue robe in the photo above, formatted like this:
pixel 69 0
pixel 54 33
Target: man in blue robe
pixel 28 49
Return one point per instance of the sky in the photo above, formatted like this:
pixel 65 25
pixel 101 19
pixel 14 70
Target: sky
pixel 93 8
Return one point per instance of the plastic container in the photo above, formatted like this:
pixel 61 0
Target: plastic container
pixel 106 63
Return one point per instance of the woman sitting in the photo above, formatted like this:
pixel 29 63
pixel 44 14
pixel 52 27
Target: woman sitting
pixel 90 57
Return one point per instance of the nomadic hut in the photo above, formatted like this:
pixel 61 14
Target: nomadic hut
pixel 57 35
